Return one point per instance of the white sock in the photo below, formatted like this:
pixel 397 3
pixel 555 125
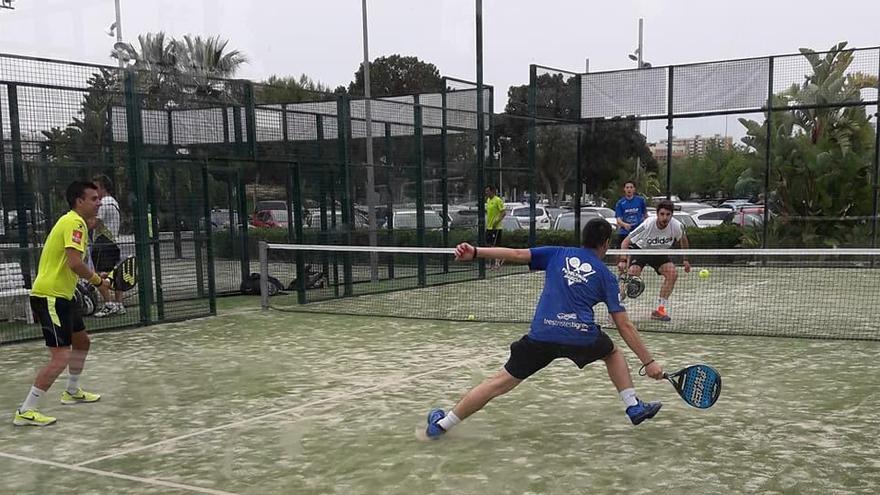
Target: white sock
pixel 31 401
pixel 449 421
pixel 628 396
pixel 72 383
pixel 663 302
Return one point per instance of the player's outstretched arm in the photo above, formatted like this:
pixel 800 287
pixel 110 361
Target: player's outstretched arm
pixel 630 335
pixel 466 252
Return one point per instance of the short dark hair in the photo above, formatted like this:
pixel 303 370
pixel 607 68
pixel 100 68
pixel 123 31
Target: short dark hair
pixel 491 188
pixel 666 205
pixel 105 182
pixel 596 233
pixel 76 190
pixel 631 182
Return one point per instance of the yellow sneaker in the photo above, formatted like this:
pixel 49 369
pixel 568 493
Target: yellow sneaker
pixel 79 397
pixel 32 417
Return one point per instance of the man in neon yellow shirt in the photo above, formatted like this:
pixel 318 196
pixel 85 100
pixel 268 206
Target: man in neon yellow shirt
pixel 494 215
pixel 52 300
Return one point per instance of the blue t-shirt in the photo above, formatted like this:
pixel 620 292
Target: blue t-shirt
pixel 631 211
pixel 575 281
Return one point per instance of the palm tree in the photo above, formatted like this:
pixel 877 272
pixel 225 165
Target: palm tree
pixel 202 59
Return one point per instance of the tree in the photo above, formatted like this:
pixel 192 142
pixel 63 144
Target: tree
pixel 607 146
pixel 820 157
pixel 291 89
pixel 397 75
pixel 169 69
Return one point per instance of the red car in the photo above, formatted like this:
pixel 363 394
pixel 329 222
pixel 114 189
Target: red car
pixel 273 219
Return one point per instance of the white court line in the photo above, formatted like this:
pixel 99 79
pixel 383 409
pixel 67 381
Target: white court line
pixel 109 474
pixel 276 413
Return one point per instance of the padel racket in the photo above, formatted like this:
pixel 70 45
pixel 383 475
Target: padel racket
pixel 699 385
pixel 633 286
pixel 124 275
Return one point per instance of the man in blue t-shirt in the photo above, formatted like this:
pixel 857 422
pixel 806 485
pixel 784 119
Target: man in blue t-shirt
pixel 564 326
pixel 631 210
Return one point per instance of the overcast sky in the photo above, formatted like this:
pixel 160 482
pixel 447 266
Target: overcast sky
pixel 323 38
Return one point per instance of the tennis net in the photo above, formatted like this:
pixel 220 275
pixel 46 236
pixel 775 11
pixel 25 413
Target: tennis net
pixel 813 293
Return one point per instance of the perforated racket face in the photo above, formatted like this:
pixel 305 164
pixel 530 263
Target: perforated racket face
pixel 634 287
pixel 699 385
pixel 125 274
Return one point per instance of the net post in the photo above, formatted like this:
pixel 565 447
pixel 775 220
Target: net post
pixel 533 111
pixel 264 275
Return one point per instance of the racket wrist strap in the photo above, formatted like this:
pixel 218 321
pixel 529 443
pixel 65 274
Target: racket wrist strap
pixel 96 280
pixel 644 367
pixel 475 253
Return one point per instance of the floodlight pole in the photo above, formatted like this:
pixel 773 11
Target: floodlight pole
pixel 119 34
pixel 640 62
pixel 368 118
pixel 481 197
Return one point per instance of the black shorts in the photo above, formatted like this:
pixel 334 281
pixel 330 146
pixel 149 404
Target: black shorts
pixel 493 237
pixel 528 356
pixel 60 319
pixel 654 261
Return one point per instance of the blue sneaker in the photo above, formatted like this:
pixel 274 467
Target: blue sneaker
pixel 434 430
pixel 643 411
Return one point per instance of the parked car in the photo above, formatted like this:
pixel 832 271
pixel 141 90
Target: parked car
pixel 566 220
pixel 736 204
pixel 684 218
pixel 270 219
pixel 406 219
pixel 710 217
pixel 465 218
pixel 542 218
pixel 607 213
pixel 511 223
pixel 746 217
pixel 691 207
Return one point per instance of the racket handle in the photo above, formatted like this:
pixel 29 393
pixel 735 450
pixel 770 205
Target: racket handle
pixel 665 375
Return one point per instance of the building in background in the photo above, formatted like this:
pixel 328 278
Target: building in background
pixel 690 146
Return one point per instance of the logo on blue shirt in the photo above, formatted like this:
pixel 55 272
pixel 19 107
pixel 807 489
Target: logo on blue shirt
pixel 575 271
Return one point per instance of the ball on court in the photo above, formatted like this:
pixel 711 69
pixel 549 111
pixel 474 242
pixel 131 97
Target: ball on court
pixel 472 317
pixel 704 274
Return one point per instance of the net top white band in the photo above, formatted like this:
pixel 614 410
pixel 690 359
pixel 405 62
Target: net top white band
pixel 648 252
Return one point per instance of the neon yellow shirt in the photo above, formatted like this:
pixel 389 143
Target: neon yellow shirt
pixel 494 207
pixel 54 277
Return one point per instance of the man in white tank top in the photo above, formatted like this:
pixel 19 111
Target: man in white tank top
pixel 660 232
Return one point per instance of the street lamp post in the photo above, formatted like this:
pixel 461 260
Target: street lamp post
pixel 638 57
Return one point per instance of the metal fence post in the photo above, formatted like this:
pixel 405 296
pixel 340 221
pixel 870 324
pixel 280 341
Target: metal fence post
pixel 138 186
pixel 420 190
pixel 669 128
pixel 21 200
pixel 768 158
pixel 533 132
pixel 343 128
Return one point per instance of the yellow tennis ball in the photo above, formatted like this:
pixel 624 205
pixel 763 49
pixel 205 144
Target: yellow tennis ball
pixel 704 274
pixel 472 317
